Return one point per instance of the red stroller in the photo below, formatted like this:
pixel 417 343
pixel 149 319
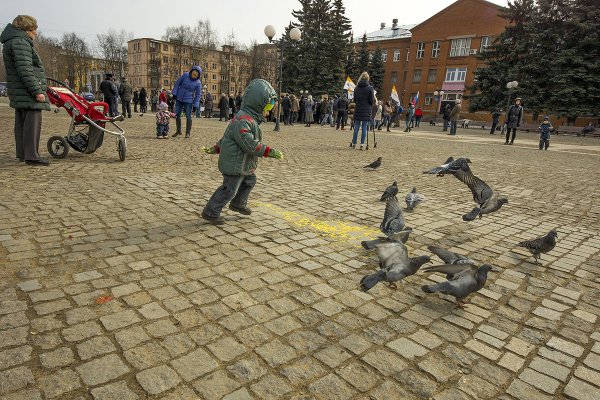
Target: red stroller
pixel 88 123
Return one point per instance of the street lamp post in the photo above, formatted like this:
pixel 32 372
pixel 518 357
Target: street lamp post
pixel 438 96
pixel 510 86
pixel 295 35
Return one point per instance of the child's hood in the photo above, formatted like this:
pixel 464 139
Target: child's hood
pixel 196 68
pixel 257 95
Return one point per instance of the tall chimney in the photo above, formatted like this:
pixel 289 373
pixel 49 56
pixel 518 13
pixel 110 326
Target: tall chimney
pixel 382 25
pixel 395 23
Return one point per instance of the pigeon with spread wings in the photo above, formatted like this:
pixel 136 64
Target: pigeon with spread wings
pixel 466 279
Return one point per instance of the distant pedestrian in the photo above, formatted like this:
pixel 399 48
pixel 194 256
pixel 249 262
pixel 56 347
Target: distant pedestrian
pixel 514 115
pixel 495 120
pixel 223 107
pixel 136 99
pixel 295 109
pixel 286 105
pixel 364 96
pixel 342 113
pixel 208 104
pixel 454 116
pixel 187 92
pixel 545 129
pixel 418 116
pixel 410 117
pixel 334 109
pixel 387 115
pixel 309 111
pixel 231 104
pixel 327 109
pixel 143 101
pixel 446 117
pixel 125 92
pixel 109 89
pixel 379 115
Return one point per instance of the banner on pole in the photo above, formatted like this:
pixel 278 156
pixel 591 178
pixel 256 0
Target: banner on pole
pixel 394 94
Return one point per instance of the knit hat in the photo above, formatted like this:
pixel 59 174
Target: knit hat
pixel 546 117
pixel 162 106
pixel 25 23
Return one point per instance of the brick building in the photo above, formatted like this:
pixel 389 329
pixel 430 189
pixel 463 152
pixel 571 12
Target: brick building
pixel 156 64
pixel 439 54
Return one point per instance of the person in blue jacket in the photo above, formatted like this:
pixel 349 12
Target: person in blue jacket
pixel 187 92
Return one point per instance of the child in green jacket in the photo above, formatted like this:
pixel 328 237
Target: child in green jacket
pixel 239 150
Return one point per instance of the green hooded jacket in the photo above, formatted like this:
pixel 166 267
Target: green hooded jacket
pixel 240 146
pixel 24 70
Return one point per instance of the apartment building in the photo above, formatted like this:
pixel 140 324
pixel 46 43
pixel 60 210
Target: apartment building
pixel 156 64
pixel 439 54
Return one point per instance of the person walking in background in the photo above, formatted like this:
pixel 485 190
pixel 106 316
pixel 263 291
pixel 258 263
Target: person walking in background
pixel 154 101
pixel 238 101
pixel 309 111
pixel 514 115
pixel 208 104
pixel 379 115
pixel 364 97
pixel 295 109
pixel 286 105
pixel 387 115
pixel 334 109
pixel 223 106
pixel 454 116
pixel 418 116
pixel 495 120
pixel 109 90
pixel 136 99
pixel 231 104
pixel 26 81
pixel 410 116
pixel 126 92
pixel 327 107
pixel 545 129
pixel 187 92
pixel 342 113
pixel 143 101
pixel 446 117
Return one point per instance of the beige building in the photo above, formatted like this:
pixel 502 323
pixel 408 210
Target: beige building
pixel 156 64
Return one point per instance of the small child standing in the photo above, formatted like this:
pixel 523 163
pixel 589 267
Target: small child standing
pixel 162 121
pixel 545 129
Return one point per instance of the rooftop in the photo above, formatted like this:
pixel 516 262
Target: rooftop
pixel 394 31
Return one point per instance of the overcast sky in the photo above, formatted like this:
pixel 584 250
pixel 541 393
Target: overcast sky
pixel 247 18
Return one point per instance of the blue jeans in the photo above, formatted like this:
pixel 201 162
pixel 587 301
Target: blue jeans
pixel 162 130
pixel 453 127
pixel 235 188
pixel 179 106
pixel 365 128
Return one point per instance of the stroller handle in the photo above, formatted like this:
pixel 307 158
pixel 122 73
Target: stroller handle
pixel 100 104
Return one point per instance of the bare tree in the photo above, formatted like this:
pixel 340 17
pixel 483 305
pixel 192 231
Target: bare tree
pixel 204 35
pixel 112 48
pixel 263 62
pixel 76 54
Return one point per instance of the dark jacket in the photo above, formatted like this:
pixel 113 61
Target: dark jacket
pixel 143 97
pixel 286 104
pixel 514 116
pixel 125 91
pixel 342 104
pixel 495 116
pixel 187 89
pixel 24 70
pixel 364 98
pixel 446 113
pixel 455 113
pixel 109 89
pixel 241 146
pixel 208 101
pixel 136 97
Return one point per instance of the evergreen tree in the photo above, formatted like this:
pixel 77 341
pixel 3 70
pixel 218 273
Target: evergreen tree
pixel 377 70
pixel 363 58
pixel 350 67
pixel 340 47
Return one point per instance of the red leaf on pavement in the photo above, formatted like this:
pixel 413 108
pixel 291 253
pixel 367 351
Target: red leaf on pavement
pixel 104 299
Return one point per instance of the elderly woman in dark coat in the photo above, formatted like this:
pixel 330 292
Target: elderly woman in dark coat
pixel 223 106
pixel 143 100
pixel 364 97
pixel 514 116
pixel 309 111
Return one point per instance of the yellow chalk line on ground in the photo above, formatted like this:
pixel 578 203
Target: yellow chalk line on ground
pixel 335 229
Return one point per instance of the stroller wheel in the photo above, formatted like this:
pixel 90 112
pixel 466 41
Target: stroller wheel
pixel 122 148
pixel 58 147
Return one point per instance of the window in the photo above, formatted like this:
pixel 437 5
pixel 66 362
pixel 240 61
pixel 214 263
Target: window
pixel 396 55
pixel 165 47
pixel 165 59
pixel 460 47
pixel 166 82
pixel 417 75
pixel 485 43
pixel 384 56
pixel 420 49
pixel 214 87
pixel 452 96
pixel 214 76
pixel 456 74
pixel 214 66
pixel 432 75
pixel 428 99
pixel 394 76
pixel 153 46
pixel 435 49
pixel 407 54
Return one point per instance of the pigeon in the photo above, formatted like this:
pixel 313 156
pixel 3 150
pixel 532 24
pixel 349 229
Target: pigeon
pixel 413 199
pixel 401 236
pixel 449 257
pixel 540 245
pixel 448 167
pixel 393 220
pixel 390 191
pixel 395 265
pixel 466 279
pixel 374 165
pixel 487 199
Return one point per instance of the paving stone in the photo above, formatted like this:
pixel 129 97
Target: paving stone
pixel 550 368
pixel 29 286
pixel 86 276
pixel 58 358
pixel 146 355
pixel 124 290
pixel 385 361
pixel 28 394
pixel 581 390
pixel 331 387
pixel 407 348
pixel 240 394
pixel 119 320
pixel 358 375
pixel 271 387
pixel 15 356
pixel 587 374
pixel 161 328
pixel 131 337
pixel 13 320
pixel 302 371
pixel 178 344
pixel 355 344
pixel 417 383
pixel 441 368
pixel 12 306
pixel 216 385
pixel 247 370
pixel 282 326
pixel 226 349
pixel 59 383
pixel 542 382
pixel 565 346
pixel 114 391
pixel 483 349
pixel 524 391
pixel 332 356
pixel 477 387
pixel 194 365
pixel 511 361
pixel 15 379
pixel 153 311
pixel 158 379
pixel 276 353
pixel 52 307
pixel 82 331
pixel 95 347
pixel 102 370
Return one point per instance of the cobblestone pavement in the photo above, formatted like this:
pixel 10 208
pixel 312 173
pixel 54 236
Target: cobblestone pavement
pixel 113 288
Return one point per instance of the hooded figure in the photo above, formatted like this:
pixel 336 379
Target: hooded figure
pixel 187 92
pixel 239 150
pixel 125 92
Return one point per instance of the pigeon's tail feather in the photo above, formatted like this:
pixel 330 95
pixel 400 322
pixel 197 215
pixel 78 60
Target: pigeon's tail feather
pixel 369 244
pixel 427 288
pixel 368 281
pixel 384 197
pixel 472 215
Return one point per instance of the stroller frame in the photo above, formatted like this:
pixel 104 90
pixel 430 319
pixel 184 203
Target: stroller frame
pixel 85 116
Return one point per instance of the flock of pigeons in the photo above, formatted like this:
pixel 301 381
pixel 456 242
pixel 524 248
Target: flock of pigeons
pixel 463 276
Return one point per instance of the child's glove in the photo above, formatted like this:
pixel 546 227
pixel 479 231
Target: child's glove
pixel 209 150
pixel 276 154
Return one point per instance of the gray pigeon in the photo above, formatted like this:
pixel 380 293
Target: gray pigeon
pixel 413 199
pixel 393 220
pixel 540 245
pixel 395 265
pixel 375 164
pixel 487 199
pixel 448 167
pixel 390 191
pixel 466 279
pixel 401 236
pixel 449 257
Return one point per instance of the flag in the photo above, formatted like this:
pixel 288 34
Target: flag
pixel 349 85
pixel 416 99
pixel 394 94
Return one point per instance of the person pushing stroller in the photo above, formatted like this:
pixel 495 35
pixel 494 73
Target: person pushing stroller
pixel 239 149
